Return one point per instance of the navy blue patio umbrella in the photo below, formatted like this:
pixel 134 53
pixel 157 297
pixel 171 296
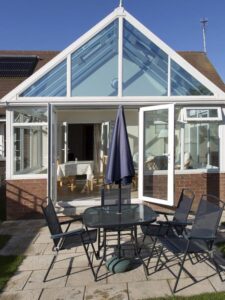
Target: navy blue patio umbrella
pixel 120 168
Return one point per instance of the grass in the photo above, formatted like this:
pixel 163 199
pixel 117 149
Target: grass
pixel 221 247
pixel 207 296
pixel 9 265
pixel 3 240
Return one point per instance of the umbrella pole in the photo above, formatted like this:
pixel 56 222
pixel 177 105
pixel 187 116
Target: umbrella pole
pixel 119 198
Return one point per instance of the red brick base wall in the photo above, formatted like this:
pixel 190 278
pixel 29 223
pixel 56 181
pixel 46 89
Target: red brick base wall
pixel 205 183
pixel 24 198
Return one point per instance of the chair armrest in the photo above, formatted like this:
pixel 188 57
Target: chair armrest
pixel 175 223
pixel 67 234
pixel 205 238
pixel 73 219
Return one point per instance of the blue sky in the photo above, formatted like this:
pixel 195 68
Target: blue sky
pixel 54 24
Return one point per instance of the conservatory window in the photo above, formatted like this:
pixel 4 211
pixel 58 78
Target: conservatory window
pixel 197 140
pixel 145 65
pixel 30 141
pixel 184 84
pixel 51 84
pixel 95 65
pixel 202 114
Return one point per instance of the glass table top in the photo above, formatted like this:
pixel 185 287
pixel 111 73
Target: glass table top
pixel 108 216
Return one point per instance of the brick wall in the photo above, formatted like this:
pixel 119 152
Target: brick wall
pixel 205 183
pixel 24 198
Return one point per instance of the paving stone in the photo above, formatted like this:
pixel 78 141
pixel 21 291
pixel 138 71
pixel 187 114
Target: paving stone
pixel 107 291
pixel 32 262
pixel 36 249
pixel 83 276
pixel 56 278
pixel 187 287
pixel 44 238
pixel 136 274
pixel 148 289
pixel 22 295
pixel 17 281
pixel 17 245
pixel 218 285
pixel 71 293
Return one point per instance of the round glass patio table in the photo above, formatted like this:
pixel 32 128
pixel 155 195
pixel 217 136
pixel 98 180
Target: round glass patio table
pixel 108 217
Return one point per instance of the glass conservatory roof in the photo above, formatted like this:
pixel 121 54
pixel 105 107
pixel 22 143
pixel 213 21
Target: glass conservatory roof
pixel 97 66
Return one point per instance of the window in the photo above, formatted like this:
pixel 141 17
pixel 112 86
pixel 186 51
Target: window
pixel 51 84
pixel 145 66
pixel 202 114
pixel 30 140
pixel 197 139
pixel 184 84
pixel 95 65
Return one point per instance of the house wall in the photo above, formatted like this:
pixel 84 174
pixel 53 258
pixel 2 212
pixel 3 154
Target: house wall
pixel 24 198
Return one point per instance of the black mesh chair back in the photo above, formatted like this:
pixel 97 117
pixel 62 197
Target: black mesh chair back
pixel 111 196
pixel 207 217
pixel 184 205
pixel 52 220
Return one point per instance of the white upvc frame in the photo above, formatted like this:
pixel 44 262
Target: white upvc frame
pixel 10 125
pixel 208 119
pixel 121 14
pixel 170 174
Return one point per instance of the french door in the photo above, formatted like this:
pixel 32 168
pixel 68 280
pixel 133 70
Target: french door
pixel 52 153
pixel 156 154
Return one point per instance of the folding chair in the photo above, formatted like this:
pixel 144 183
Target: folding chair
pixel 67 239
pixel 200 240
pixel 178 223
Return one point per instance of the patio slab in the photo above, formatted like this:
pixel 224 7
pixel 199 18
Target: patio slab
pixel 24 295
pixel 27 283
pixel 72 293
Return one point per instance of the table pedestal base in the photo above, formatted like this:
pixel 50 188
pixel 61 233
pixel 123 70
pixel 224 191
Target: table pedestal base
pixel 118 265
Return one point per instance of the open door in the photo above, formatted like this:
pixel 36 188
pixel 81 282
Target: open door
pixel 156 154
pixel 52 153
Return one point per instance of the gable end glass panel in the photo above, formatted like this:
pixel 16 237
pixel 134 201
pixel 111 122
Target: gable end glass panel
pixel 184 84
pixel 95 65
pixel 51 84
pixel 145 65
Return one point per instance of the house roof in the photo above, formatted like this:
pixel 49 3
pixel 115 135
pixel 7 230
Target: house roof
pixel 197 59
pixel 201 62
pixel 8 83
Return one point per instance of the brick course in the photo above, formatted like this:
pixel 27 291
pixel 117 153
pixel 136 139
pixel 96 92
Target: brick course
pixel 24 198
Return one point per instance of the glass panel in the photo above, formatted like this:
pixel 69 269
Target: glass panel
pixel 30 150
pixel 95 65
pixel 155 150
pixel 145 66
pixel 51 84
pixel 201 146
pixel 202 113
pixel 30 115
pixel 184 84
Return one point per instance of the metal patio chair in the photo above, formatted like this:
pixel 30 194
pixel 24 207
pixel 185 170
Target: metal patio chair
pixel 179 221
pixel 67 239
pixel 199 241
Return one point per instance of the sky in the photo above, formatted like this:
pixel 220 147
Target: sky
pixel 55 24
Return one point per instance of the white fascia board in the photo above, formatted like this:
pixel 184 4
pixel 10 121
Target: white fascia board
pixel 129 100
pixel 13 95
pixel 175 56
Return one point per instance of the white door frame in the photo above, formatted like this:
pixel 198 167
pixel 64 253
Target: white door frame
pixel 52 153
pixel 170 177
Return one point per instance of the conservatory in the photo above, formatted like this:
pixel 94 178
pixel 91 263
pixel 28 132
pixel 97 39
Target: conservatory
pixel 59 121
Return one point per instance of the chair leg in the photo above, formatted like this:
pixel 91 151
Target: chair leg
pixel 89 260
pixel 51 265
pixel 179 273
